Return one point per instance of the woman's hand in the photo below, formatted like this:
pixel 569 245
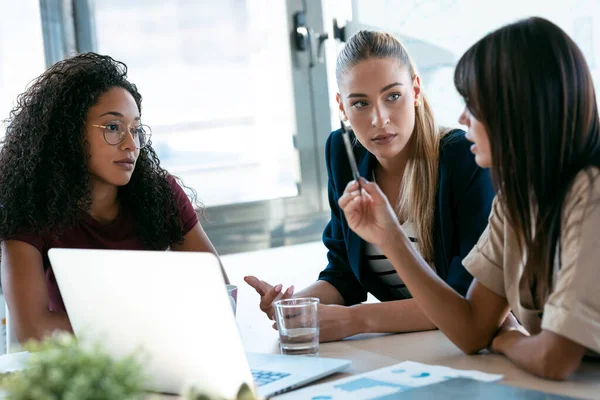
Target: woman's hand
pixel 368 212
pixel 268 294
pixel 335 323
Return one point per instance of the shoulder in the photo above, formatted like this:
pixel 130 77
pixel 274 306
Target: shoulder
pixel 34 239
pixel 335 150
pixel 187 212
pixel 584 192
pixel 176 187
pixel 181 198
pixel 456 158
pixel 455 144
pixel 334 145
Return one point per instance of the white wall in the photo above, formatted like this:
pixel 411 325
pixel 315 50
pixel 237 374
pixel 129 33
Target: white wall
pixel 455 25
pixel 21 50
pixel 21 60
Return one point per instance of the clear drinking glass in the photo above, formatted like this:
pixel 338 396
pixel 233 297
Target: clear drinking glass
pixel 298 325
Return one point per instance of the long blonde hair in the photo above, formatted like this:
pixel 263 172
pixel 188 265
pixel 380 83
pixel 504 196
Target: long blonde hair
pixel 416 200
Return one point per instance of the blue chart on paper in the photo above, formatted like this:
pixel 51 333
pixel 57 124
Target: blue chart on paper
pixel 387 383
pixel 367 383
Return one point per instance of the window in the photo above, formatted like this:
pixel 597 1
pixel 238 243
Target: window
pixel 21 51
pixel 438 32
pixel 217 86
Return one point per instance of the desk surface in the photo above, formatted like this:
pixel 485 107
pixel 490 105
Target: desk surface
pixel 299 265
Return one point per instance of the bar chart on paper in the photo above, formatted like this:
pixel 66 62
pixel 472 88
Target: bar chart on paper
pixel 385 382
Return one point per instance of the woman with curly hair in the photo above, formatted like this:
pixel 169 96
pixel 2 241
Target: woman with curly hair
pixel 77 170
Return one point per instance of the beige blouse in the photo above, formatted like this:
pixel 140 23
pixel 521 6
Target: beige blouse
pixel 573 307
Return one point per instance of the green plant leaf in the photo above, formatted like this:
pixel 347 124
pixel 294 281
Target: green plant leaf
pixel 59 367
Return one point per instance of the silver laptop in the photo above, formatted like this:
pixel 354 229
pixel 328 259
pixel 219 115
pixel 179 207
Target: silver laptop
pixel 174 308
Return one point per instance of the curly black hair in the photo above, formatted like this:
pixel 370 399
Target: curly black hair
pixel 44 181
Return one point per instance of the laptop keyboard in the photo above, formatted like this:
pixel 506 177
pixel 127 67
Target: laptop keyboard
pixel 264 377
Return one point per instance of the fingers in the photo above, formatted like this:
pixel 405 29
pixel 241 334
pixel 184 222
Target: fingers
pixel 268 294
pixel 347 198
pixel 261 287
pixel 354 205
pixel 352 186
pixel 289 292
pixel 370 192
pixel 266 301
pixel 253 281
pixel 285 295
pixel 372 189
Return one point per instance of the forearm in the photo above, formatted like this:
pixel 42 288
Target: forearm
pixel 444 307
pixel 535 355
pixel 523 351
pixel 42 326
pixel 324 291
pixel 390 317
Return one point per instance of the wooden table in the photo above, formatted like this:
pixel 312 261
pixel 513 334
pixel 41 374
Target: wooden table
pixel 300 265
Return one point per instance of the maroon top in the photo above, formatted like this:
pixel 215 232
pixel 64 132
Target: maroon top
pixel 91 234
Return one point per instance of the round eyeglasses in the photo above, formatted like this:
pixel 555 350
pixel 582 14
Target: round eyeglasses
pixel 116 131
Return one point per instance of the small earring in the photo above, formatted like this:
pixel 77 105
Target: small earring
pixel 417 103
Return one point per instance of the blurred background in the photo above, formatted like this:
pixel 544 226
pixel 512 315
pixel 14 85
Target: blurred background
pixel 241 93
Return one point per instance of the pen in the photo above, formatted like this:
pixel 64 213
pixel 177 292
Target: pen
pixel 351 159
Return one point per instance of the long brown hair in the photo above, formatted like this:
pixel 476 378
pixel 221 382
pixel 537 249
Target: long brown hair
pixel 416 200
pixel 530 86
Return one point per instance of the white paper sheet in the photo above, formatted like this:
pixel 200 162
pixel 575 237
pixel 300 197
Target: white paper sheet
pixel 385 381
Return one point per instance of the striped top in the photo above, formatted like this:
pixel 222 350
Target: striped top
pixel 383 269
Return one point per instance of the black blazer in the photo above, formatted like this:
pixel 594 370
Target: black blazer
pixel 464 199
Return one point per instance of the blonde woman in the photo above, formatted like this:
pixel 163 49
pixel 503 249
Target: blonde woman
pixel 441 196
